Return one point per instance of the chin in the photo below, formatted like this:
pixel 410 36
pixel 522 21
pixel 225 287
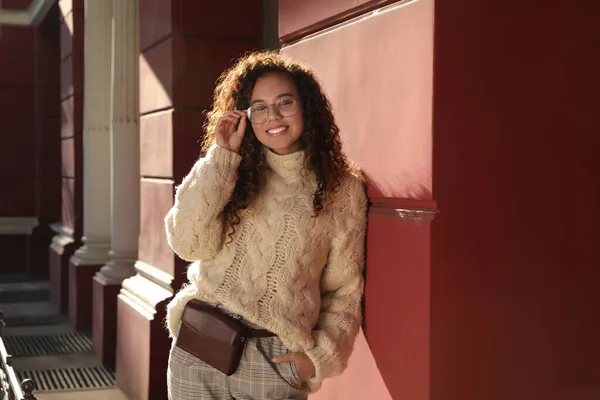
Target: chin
pixel 280 145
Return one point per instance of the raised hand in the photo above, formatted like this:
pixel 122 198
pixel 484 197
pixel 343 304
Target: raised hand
pixel 230 130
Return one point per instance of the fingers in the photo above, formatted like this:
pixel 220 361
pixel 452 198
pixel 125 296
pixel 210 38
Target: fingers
pixel 233 122
pixel 241 129
pixel 235 115
pixel 232 115
pixel 226 124
pixel 229 117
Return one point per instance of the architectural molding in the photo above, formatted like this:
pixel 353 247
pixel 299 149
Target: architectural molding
pixel 146 289
pixel 116 270
pixel 32 16
pixel 91 253
pixel 404 213
pixel 58 228
pixel 64 236
pixel 154 274
pixel 424 210
pixel 363 10
pixel 143 295
pixel 17 225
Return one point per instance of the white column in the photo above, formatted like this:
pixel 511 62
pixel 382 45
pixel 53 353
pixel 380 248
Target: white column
pixel 96 134
pixel 125 144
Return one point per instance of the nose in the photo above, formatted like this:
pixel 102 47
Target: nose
pixel 273 113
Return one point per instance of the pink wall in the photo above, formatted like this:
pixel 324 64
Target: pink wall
pixel 378 75
pixel 362 379
pixel 514 249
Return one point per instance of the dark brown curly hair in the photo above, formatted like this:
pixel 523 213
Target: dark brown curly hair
pixel 320 138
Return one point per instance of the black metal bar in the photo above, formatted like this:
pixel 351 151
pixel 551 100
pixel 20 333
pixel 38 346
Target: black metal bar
pixel 17 391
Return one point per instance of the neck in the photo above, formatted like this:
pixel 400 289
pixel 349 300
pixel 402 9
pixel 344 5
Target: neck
pixel 288 166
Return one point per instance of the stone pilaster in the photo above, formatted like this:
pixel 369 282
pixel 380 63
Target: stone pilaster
pixel 47 141
pixel 88 259
pixel 124 178
pixel 184 46
pixel 69 230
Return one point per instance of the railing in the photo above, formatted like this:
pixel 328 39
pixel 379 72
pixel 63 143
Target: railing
pixel 10 388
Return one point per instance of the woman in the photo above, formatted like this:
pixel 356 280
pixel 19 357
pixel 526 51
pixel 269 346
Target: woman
pixel 273 219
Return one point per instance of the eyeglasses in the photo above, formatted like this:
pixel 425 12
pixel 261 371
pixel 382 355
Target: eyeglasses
pixel 285 107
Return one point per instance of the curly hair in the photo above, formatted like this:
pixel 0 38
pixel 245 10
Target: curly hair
pixel 320 138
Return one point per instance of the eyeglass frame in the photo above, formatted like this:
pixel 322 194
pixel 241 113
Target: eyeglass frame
pixel 274 106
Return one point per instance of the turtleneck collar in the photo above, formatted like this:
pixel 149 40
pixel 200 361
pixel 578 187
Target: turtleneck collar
pixel 288 166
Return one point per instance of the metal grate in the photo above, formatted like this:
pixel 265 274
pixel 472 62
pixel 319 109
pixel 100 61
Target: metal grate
pixel 64 343
pixel 34 320
pixel 70 378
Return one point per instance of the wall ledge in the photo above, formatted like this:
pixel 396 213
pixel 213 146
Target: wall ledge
pixel 17 225
pixel 32 16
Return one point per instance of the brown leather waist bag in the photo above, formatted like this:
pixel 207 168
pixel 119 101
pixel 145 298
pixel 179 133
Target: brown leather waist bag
pixel 214 337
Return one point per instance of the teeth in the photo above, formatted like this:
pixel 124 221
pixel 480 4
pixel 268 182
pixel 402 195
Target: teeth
pixel 274 131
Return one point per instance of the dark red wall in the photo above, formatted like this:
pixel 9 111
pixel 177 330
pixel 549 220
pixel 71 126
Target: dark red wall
pixel 17 121
pixel 514 249
pixel 47 121
pixel 184 49
pixel 17 138
pixel 29 133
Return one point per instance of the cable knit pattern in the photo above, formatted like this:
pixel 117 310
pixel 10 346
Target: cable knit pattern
pixel 296 275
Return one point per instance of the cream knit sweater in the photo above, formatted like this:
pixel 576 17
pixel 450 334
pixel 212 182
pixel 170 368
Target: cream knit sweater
pixel 298 276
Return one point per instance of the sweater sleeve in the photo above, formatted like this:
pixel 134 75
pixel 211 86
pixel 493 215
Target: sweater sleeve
pixel 194 229
pixel 342 286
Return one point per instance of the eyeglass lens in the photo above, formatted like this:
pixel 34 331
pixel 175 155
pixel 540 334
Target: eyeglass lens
pixel 286 107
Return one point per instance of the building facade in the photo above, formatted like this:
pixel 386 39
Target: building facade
pixel 473 121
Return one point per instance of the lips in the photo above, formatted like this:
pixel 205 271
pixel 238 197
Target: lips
pixel 277 130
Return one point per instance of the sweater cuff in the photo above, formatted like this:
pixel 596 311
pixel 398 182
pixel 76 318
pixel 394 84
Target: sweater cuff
pixel 324 363
pixel 223 157
pixel 226 161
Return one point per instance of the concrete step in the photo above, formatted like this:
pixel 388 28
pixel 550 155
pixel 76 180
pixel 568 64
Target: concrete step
pixel 14 278
pixel 41 308
pixel 24 292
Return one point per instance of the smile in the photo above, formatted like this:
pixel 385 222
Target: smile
pixel 277 131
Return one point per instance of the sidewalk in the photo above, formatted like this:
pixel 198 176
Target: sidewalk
pixel 46 349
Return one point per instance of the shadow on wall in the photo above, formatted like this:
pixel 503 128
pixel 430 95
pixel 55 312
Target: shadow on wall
pixel 405 189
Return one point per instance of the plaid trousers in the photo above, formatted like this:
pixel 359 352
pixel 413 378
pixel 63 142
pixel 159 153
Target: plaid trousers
pixel 256 378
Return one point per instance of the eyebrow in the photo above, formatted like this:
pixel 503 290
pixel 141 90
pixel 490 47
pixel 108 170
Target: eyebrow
pixel 278 97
